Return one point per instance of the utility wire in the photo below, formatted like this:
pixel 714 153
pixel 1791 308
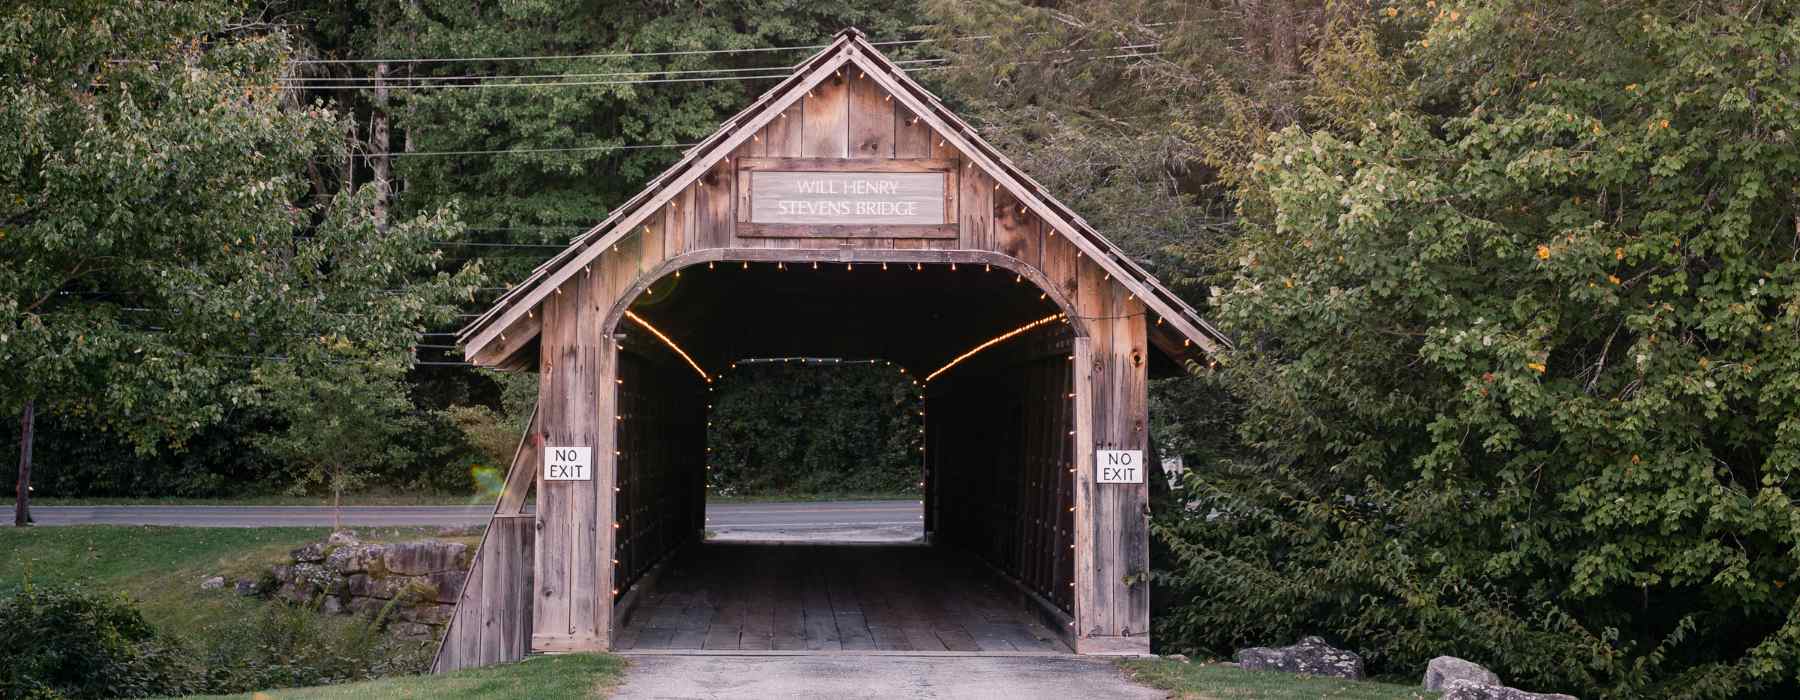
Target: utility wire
pixel 591 56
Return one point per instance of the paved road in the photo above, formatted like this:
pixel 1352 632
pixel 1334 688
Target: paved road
pixel 869 676
pixel 838 520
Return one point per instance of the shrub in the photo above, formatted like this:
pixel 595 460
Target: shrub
pixel 68 642
pixel 1518 353
pixel 287 645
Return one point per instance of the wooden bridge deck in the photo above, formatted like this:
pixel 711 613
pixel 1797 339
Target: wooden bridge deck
pixel 832 598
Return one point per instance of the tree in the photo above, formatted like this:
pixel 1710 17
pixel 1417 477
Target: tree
pixel 1520 331
pixel 342 418
pixel 162 242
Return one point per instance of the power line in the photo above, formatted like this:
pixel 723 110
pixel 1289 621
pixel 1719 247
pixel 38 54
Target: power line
pixel 623 147
pixel 647 81
pixel 591 56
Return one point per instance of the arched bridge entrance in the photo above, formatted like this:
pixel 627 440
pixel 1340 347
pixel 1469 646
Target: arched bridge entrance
pixel 845 213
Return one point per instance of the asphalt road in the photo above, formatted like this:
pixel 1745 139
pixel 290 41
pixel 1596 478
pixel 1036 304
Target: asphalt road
pixel 836 520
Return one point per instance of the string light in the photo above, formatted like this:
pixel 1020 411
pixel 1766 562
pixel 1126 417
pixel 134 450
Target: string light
pixel 666 341
pixel 1003 337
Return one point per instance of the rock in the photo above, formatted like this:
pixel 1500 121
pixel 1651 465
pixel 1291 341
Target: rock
pixel 1312 656
pixel 309 554
pixel 212 583
pixel 341 538
pixel 353 558
pixel 1464 689
pixel 332 606
pixel 414 631
pixel 1444 669
pixel 428 614
pixel 383 587
pixel 449 584
pixel 423 557
pixel 1181 658
pixel 245 587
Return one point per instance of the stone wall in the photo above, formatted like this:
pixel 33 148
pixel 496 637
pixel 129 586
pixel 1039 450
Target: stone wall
pixel 412 585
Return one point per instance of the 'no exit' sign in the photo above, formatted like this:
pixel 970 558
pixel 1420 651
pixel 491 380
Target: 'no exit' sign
pixel 568 463
pixel 1119 466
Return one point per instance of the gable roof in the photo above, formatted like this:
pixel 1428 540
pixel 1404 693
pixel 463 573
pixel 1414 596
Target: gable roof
pixel 848 47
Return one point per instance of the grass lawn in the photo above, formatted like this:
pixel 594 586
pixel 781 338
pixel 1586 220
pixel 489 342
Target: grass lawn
pixel 1206 681
pixel 539 677
pixel 161 567
pixel 360 499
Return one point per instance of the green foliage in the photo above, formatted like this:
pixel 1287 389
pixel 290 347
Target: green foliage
pixel 162 241
pixel 784 427
pixel 1520 339
pixel 285 646
pixel 69 642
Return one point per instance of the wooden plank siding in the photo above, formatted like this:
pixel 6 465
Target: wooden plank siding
pixel 1019 493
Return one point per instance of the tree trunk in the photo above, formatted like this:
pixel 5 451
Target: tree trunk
pixel 378 144
pixel 22 506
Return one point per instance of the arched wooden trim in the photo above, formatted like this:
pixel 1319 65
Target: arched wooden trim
pixel 840 257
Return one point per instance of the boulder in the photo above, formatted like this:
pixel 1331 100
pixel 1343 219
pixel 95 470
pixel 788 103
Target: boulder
pixel 332 605
pixel 1312 656
pixel 429 614
pixel 413 631
pixel 342 538
pixel 245 587
pixel 449 584
pixel 353 558
pixel 367 586
pixel 1464 689
pixel 1444 669
pixel 309 554
pixel 423 557
pixel 212 583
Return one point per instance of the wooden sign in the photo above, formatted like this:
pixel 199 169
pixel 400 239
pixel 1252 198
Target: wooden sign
pixel 846 198
pixel 568 463
pixel 1119 466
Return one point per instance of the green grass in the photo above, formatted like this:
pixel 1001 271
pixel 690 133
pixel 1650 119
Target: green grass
pixel 1207 681
pixel 540 678
pixel 403 498
pixel 161 567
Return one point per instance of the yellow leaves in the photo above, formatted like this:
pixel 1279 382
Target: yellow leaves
pixel 1392 11
pixel 1704 363
pixel 1618 253
pixel 1613 279
pixel 1665 124
pixel 1537 367
pixel 1631 88
pixel 1635 460
pixel 1289 282
pixel 1543 252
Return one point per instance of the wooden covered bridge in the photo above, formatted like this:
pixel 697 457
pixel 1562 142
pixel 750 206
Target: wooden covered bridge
pixel 846 212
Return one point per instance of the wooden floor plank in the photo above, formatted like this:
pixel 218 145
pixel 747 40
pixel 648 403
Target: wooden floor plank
pixel 722 637
pixel 902 598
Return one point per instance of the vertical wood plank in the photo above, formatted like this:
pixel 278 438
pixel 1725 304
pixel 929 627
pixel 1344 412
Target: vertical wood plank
pixel 1094 306
pixel 678 224
pixel 912 137
pixel 785 135
pixel 550 607
pixel 715 196
pixel 871 129
pixel 1131 609
pixel 826 133
pixel 1016 231
pixel 975 201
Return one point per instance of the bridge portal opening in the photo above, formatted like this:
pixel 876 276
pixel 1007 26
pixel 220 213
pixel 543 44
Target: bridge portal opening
pixel 976 555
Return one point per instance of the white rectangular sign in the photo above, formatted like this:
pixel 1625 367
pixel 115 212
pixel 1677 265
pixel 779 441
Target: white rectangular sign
pixel 568 463
pixel 1119 466
pixel 778 197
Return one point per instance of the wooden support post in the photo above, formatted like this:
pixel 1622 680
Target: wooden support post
pixel 573 600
